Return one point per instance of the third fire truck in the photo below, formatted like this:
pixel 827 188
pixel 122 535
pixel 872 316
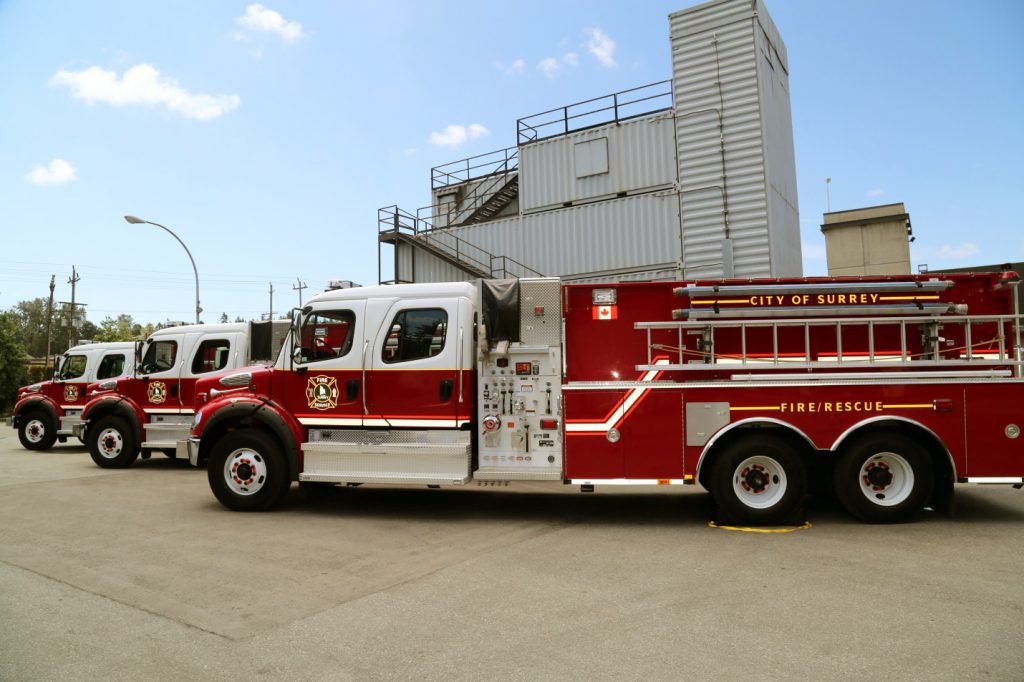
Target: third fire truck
pixel 47 411
pixel 890 389
pixel 151 409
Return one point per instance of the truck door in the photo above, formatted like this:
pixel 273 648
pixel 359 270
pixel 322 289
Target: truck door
pixel 112 365
pixel 415 364
pixel 68 390
pixel 324 388
pixel 210 353
pixel 158 391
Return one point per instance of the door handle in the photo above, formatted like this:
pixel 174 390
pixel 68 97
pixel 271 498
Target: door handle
pixel 353 389
pixel 446 390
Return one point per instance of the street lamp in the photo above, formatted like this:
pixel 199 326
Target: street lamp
pixel 138 221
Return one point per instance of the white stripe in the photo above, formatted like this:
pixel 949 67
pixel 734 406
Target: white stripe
pixel 324 421
pixel 996 479
pixel 631 400
pixel 435 423
pixel 166 410
pixel 627 481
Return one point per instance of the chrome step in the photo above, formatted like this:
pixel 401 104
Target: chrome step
pixel 410 457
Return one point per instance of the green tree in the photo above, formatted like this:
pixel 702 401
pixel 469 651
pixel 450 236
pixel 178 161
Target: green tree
pixel 13 372
pixel 123 328
pixel 223 317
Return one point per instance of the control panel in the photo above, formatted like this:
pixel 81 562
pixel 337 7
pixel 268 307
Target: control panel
pixel 520 404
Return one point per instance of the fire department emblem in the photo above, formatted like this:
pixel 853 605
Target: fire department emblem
pixel 322 392
pixel 71 393
pixel 157 392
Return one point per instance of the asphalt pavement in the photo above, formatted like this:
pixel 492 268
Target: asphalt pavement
pixel 139 574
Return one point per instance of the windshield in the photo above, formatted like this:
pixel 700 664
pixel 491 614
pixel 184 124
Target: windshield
pixel 72 367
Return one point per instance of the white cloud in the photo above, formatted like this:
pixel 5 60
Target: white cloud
pixel 570 59
pixel 601 46
pixel 454 136
pixel 57 172
pixel 549 67
pixel 963 251
pixel 876 192
pixel 259 18
pixel 143 84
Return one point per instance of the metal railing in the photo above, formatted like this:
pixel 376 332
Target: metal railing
pixel 458 172
pixel 395 221
pixel 617 107
pixel 999 348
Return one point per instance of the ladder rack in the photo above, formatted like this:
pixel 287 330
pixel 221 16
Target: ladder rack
pixel 1000 351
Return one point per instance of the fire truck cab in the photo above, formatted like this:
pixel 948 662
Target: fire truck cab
pixel 893 388
pixel 46 412
pixel 152 408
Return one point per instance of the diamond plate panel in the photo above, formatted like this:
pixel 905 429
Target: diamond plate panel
pixel 428 457
pixel 543 329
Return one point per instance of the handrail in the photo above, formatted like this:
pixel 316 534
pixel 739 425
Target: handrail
pixel 491 184
pixel 394 220
pixel 539 126
pixel 458 172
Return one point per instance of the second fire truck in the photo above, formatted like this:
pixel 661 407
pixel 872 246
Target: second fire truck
pixel 890 389
pixel 151 409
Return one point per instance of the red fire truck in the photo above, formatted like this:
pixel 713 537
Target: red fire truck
pixel 151 409
pixel 46 412
pixel 890 388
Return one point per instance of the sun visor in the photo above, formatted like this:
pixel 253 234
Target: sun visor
pixel 501 309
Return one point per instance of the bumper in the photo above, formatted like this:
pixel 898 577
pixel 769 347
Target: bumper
pixel 78 430
pixel 188 448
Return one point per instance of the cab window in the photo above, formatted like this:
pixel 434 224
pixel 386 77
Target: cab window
pixel 111 366
pixel 327 334
pixel 211 355
pixel 414 335
pixel 160 356
pixel 73 367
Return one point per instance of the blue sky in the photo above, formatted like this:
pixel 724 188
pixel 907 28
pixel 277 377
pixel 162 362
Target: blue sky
pixel 268 135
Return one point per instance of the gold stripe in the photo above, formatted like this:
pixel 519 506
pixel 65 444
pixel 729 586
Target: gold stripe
pixel 749 409
pixel 715 300
pixel 922 406
pixel 908 298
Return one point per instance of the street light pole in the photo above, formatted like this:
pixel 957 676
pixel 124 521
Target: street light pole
pixel 138 221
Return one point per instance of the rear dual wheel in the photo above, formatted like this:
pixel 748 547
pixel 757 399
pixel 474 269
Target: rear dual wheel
pixel 759 480
pixel 883 478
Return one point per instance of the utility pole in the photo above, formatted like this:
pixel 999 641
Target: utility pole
pixel 73 280
pixel 299 287
pixel 49 325
pixel 271 315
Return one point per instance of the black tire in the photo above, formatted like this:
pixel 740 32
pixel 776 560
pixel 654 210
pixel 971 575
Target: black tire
pixel 884 477
pixel 758 480
pixel 36 430
pixel 112 443
pixel 247 471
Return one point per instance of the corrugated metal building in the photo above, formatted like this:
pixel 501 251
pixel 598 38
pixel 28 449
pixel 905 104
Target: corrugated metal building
pixel 691 177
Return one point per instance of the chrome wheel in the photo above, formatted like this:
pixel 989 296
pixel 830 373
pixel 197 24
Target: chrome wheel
pixel 759 482
pixel 245 471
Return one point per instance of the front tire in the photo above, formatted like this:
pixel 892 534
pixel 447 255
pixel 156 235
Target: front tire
pixel 759 480
pixel 883 478
pixel 247 471
pixel 112 443
pixel 36 431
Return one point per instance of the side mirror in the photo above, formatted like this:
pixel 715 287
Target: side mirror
pixel 297 356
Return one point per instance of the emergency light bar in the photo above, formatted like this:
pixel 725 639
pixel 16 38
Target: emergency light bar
pixel 813 288
pixel 819 311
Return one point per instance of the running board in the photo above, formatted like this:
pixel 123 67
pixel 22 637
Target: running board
pixel 407 457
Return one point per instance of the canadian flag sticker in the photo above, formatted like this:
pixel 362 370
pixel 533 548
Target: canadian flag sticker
pixel 606 312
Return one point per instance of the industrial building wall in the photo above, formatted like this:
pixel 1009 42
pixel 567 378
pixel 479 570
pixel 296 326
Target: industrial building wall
pixel 726 92
pixel 604 162
pixel 603 240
